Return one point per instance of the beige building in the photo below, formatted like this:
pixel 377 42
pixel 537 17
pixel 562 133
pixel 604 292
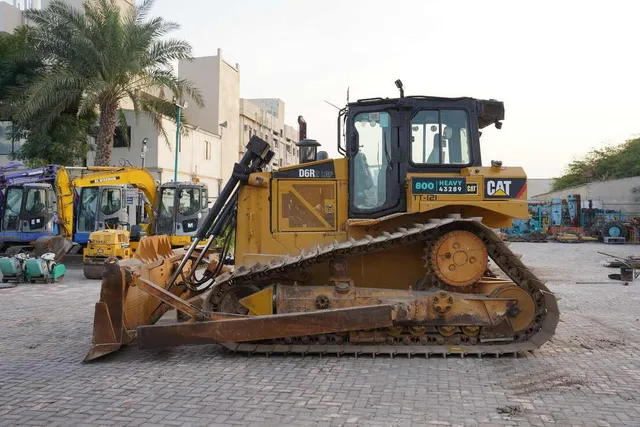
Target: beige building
pixel 219 83
pixel 236 120
pixel 265 118
pixel 11 15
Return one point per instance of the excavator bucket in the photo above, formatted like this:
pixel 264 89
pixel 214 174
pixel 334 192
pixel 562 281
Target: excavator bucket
pixel 122 306
pixel 59 245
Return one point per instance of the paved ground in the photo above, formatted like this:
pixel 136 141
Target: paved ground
pixel 589 374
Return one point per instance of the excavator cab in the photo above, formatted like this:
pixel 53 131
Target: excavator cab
pixel 29 211
pixel 182 207
pixel 100 208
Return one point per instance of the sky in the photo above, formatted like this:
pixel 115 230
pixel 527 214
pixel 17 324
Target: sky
pixel 568 72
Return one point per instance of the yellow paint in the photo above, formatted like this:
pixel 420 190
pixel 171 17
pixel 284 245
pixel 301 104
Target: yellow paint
pixel 260 303
pixel 106 243
pixel 266 231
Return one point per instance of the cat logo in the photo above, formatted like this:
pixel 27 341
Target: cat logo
pixel 498 188
pixel 512 188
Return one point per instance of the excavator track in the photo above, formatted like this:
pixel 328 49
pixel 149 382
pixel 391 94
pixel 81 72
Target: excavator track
pixel 542 328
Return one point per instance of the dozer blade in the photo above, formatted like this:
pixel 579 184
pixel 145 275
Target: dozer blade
pixel 123 307
pixel 109 332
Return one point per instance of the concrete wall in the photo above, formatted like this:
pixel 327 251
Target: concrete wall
pixel 619 194
pixel 219 84
pixel 205 74
pixel 229 112
pixel 10 17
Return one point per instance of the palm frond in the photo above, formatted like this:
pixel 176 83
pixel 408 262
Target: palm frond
pixel 101 55
pixel 55 90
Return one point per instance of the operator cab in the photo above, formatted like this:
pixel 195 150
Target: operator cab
pixel 100 208
pixel 183 205
pixel 386 139
pixel 30 208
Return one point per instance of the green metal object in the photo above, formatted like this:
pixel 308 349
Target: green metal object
pixel 11 269
pixel 175 168
pixel 36 269
pixel 59 270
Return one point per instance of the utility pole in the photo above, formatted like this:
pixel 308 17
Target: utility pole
pixel 182 105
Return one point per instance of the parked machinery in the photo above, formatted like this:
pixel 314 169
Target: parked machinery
pixel 44 269
pixel 23 268
pixel 36 211
pixel 13 268
pixel 383 251
pixel 173 209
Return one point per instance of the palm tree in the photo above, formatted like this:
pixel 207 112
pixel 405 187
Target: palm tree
pixel 104 57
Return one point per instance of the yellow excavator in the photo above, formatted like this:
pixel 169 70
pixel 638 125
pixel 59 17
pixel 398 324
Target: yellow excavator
pixel 382 251
pixel 174 209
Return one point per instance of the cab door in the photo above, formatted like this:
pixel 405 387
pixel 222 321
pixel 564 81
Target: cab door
pixel 12 208
pixel 38 209
pixel 189 212
pixel 113 209
pixel 375 163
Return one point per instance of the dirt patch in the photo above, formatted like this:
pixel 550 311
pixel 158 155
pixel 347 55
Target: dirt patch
pixel 511 410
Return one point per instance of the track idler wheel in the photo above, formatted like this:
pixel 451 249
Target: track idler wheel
pixel 521 314
pixel 459 259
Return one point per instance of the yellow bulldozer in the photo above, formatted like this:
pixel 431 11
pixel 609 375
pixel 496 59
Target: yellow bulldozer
pixel 382 251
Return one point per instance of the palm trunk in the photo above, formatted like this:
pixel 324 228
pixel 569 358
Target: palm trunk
pixel 104 142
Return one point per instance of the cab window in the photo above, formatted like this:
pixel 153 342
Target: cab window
pixel 189 201
pixel 205 198
pixel 374 142
pixel 36 200
pixel 165 214
pixel 87 209
pixel 111 201
pixel 440 137
pixel 12 207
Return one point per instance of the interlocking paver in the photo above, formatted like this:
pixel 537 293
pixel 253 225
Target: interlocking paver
pixel 588 375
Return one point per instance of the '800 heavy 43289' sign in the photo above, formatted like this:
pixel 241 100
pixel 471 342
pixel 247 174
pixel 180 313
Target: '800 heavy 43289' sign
pixel 421 185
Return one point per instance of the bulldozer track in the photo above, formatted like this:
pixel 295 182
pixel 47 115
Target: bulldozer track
pixel 539 331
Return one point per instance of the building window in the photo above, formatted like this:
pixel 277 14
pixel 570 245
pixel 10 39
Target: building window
pixel 289 149
pixel 207 150
pixel 119 139
pixel 8 142
pixel 280 162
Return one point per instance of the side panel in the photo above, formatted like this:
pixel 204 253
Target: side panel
pixel 305 205
pixel 497 196
pixel 268 227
